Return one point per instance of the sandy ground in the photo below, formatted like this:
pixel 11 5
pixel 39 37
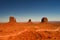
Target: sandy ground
pixel 30 31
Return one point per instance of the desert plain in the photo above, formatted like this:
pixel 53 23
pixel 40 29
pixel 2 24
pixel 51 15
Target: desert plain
pixel 43 30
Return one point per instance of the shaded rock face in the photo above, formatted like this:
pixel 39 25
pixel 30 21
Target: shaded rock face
pixel 29 20
pixel 44 19
pixel 12 19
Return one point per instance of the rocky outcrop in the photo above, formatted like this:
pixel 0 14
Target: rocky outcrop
pixel 44 19
pixel 12 19
pixel 29 20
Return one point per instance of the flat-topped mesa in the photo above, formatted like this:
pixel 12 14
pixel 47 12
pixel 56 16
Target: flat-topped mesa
pixel 44 19
pixel 12 19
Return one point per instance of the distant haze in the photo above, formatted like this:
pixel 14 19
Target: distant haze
pixel 23 10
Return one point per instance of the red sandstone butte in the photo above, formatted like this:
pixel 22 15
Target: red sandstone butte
pixel 44 19
pixel 12 19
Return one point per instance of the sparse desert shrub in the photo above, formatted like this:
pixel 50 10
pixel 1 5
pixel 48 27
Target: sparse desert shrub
pixel 1 31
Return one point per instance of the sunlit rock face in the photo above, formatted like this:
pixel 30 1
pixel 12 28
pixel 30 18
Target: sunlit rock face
pixel 44 19
pixel 12 19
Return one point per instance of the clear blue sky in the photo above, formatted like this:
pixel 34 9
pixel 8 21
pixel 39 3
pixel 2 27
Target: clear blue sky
pixel 23 10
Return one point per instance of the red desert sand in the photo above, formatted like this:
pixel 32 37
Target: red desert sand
pixel 43 30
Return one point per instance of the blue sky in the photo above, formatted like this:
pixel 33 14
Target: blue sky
pixel 23 10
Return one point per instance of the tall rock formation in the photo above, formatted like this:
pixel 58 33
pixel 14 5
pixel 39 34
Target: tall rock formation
pixel 12 19
pixel 29 20
pixel 44 19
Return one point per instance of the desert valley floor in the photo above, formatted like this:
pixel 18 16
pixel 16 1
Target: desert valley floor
pixel 30 31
